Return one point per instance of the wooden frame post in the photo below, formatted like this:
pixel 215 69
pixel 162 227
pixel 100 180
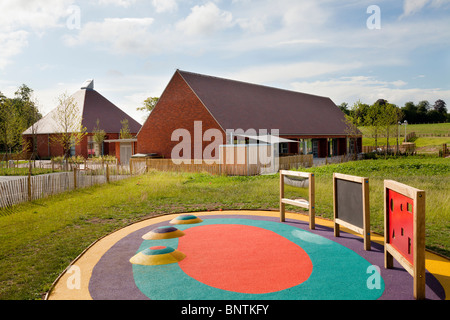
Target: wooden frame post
pixel 364 230
pixel 282 205
pixel 416 266
pixel 310 205
pixel 312 201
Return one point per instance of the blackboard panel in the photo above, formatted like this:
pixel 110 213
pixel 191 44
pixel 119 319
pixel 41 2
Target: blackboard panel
pixel 350 202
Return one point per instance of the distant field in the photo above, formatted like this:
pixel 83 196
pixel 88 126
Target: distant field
pixel 430 137
pixel 436 129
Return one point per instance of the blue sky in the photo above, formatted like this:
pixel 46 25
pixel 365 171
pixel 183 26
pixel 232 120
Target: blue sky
pixel 131 48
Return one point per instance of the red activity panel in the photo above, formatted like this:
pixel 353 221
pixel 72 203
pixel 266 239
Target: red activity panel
pixel 404 236
pixel 401 224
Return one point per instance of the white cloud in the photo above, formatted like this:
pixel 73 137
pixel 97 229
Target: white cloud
pixel 20 19
pixel 121 35
pixel 121 3
pixel 36 14
pixel 290 72
pixel 205 20
pixel 253 25
pixel 411 7
pixel 12 44
pixel 369 90
pixel 305 15
pixel 165 5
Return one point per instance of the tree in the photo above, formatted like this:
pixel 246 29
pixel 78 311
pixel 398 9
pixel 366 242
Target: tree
pixel 373 120
pixel 11 125
pixel 344 108
pixel 99 136
pixel 390 117
pixel 68 120
pixel 434 116
pixel 27 105
pixel 352 121
pixel 148 105
pixel 125 131
pixel 440 107
pixel 422 110
pixel 17 114
pixel 359 112
pixel 410 112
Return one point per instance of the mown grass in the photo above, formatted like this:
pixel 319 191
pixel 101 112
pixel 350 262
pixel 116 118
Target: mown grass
pixel 23 171
pixel 38 240
pixel 420 142
pixel 436 129
pixel 424 144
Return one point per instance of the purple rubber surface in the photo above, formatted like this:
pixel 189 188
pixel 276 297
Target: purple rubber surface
pixel 112 277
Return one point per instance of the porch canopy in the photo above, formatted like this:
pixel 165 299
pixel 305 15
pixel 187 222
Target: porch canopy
pixel 269 139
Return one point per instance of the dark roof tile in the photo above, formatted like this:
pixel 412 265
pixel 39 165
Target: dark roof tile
pixel 241 105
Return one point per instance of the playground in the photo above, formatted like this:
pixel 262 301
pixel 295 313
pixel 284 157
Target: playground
pixel 263 255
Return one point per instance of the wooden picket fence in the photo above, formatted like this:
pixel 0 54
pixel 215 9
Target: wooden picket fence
pixel 404 148
pixel 286 163
pixel 30 188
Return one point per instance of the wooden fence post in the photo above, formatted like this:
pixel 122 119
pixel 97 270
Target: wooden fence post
pixel 29 186
pixel 74 178
pixel 107 173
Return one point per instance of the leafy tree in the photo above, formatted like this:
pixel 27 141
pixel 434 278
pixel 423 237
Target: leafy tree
pixel 440 106
pixel 148 105
pixel 69 128
pixel 422 110
pixel 344 108
pixel 98 135
pixel 11 125
pixel 359 112
pixel 27 105
pixel 410 112
pixel 435 116
pixel 16 115
pixel 390 117
pixel 125 131
pixel 373 120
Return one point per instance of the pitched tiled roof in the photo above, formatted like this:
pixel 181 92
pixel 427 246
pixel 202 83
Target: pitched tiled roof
pixel 241 105
pixel 92 105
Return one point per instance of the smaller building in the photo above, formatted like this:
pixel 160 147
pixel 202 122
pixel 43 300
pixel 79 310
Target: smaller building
pixel 124 148
pixel 92 107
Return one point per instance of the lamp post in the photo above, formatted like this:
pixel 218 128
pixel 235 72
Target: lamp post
pixel 405 123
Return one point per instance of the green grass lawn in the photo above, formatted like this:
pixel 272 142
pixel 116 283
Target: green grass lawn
pixel 24 171
pixel 420 142
pixel 40 239
pixel 425 144
pixel 436 129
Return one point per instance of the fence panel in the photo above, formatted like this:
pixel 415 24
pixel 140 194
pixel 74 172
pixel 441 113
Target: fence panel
pixel 232 169
pixel 32 188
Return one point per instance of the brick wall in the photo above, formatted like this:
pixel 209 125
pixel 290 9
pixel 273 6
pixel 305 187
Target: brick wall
pixel 46 148
pixel 178 108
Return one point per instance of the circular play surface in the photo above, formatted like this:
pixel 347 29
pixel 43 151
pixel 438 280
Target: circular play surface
pixel 237 257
